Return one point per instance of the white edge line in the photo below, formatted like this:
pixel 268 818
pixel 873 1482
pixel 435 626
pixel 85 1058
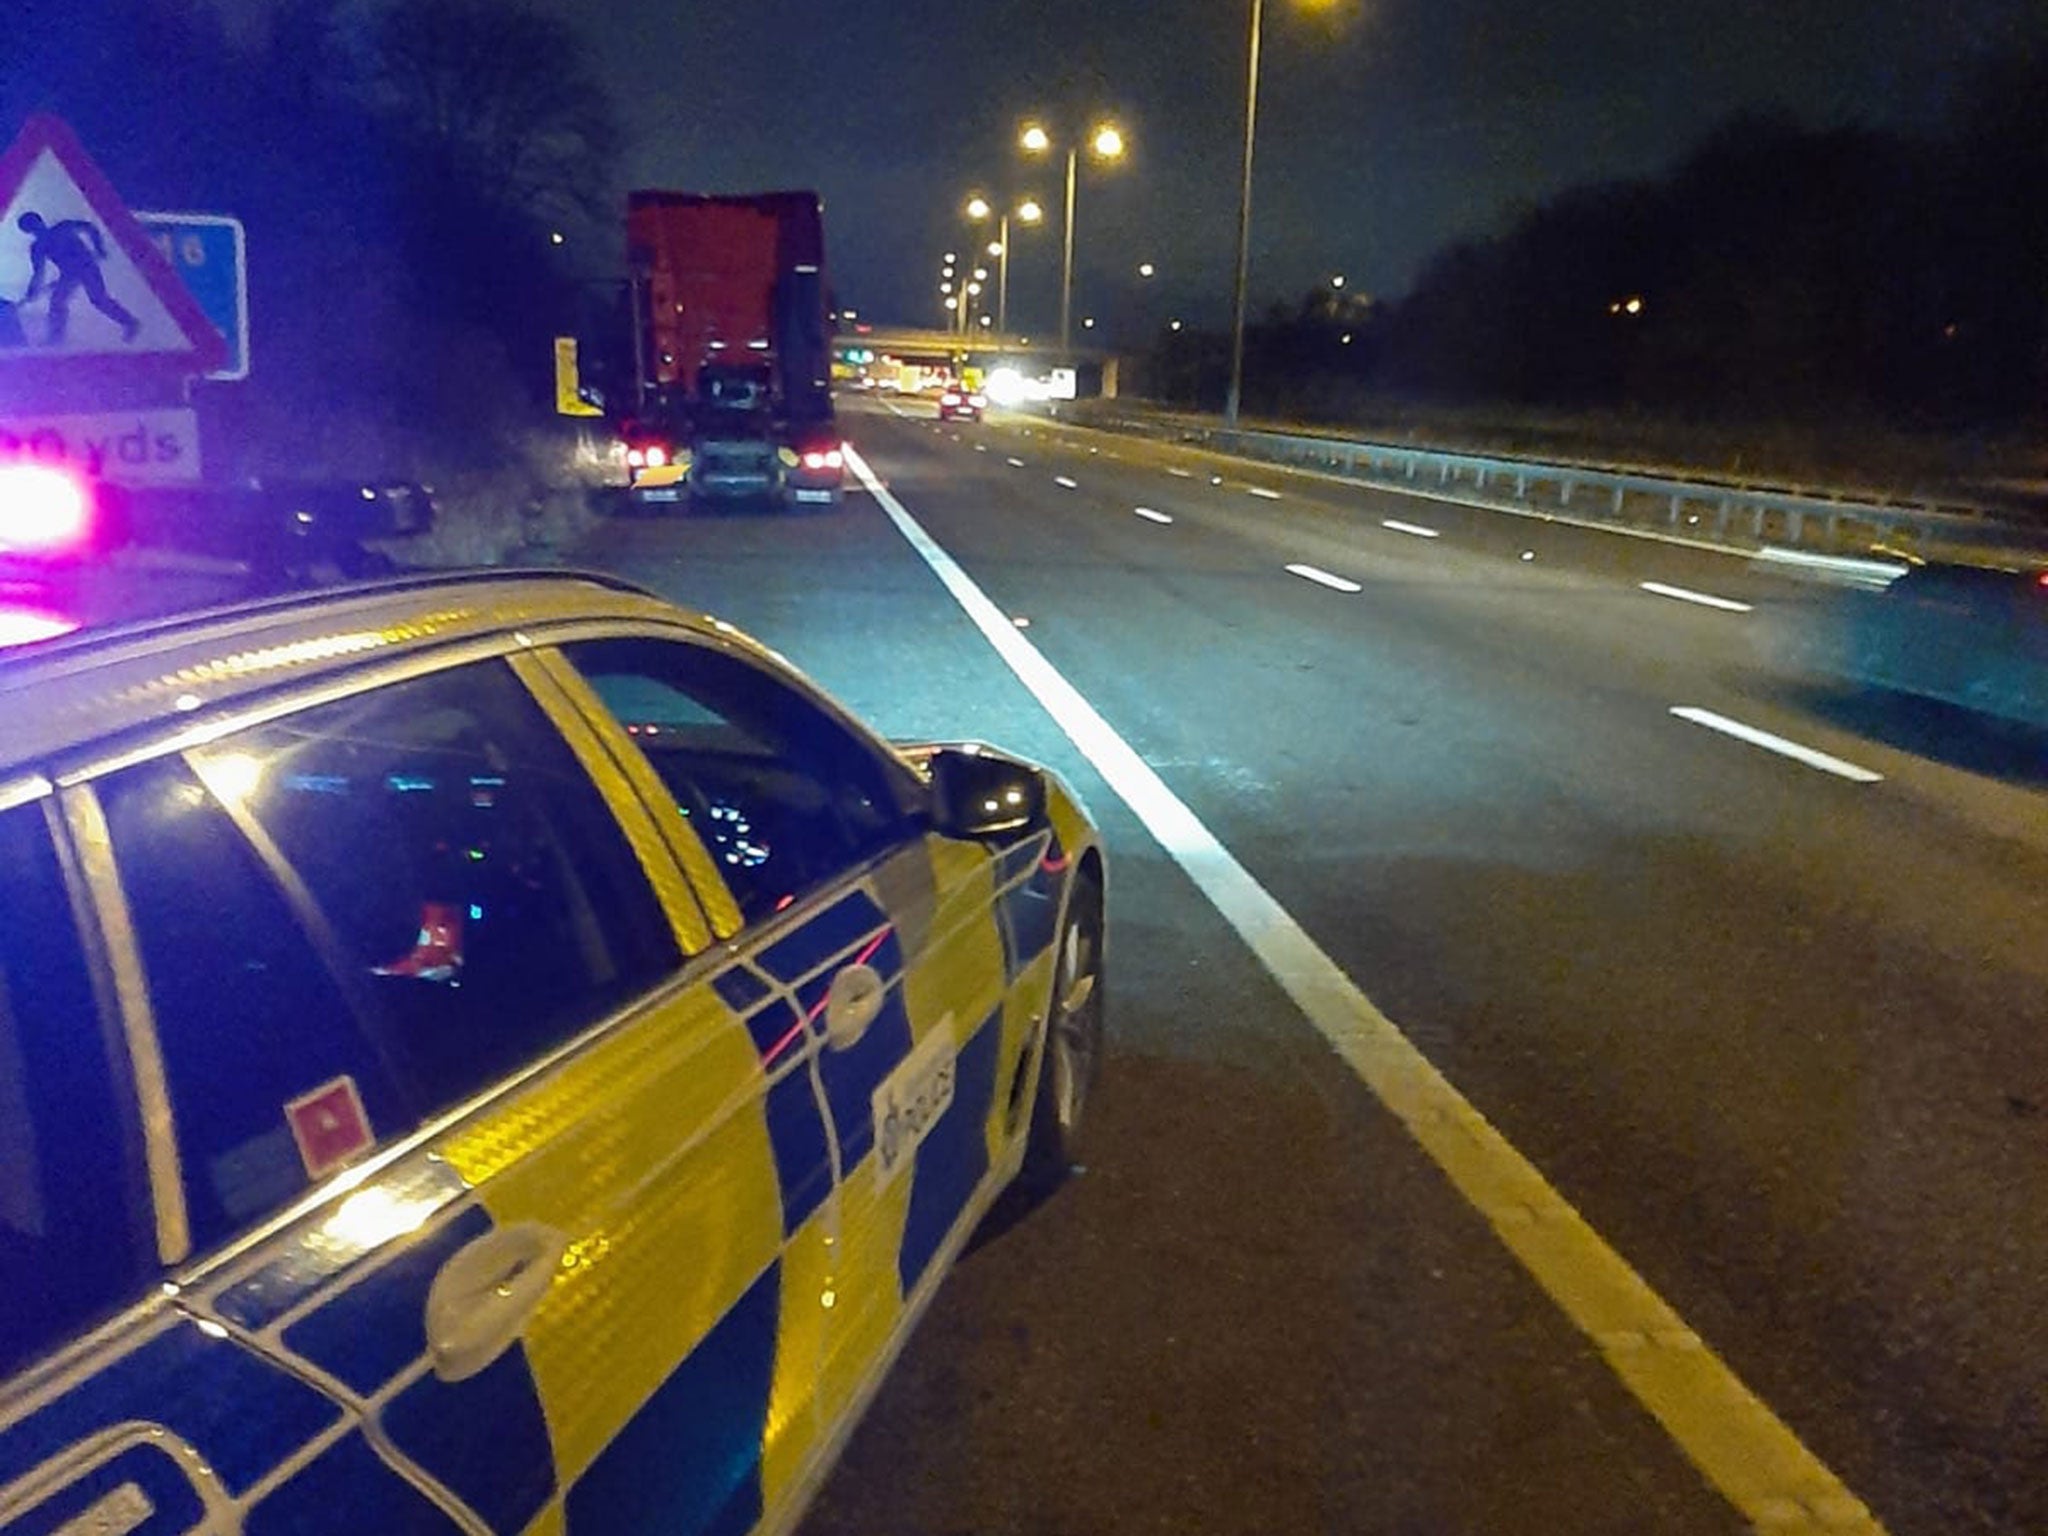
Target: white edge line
pixel 1777 744
pixel 1323 578
pixel 1181 474
pixel 1152 516
pixel 1730 1434
pixel 1063 480
pixel 1014 463
pixel 1260 490
pixel 1417 529
pixel 1704 599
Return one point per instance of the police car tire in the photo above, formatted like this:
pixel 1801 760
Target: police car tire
pixel 1059 1110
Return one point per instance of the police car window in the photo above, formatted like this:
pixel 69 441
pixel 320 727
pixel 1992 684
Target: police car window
pixel 784 796
pixel 68 1253
pixel 478 890
pixel 274 1081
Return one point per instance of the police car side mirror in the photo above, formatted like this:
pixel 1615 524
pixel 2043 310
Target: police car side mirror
pixel 979 792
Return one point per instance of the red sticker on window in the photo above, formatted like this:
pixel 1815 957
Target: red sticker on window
pixel 329 1125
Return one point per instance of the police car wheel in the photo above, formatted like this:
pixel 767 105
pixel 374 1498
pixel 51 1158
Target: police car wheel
pixel 1072 1052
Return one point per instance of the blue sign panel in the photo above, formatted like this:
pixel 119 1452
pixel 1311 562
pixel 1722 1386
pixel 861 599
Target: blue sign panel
pixel 209 252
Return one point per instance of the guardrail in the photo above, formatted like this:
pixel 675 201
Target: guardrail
pixel 1706 510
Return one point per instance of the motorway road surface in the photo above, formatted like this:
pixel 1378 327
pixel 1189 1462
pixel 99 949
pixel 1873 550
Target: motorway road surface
pixel 1774 1026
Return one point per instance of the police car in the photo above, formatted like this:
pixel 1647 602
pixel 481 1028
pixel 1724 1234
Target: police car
pixel 495 1054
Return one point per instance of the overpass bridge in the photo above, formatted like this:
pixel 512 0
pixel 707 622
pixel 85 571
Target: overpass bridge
pixel 910 344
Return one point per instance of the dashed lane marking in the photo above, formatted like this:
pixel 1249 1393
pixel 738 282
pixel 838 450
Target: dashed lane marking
pixel 1323 578
pixel 1703 599
pixel 1778 744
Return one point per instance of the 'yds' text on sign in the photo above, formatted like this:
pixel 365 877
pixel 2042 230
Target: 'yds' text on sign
pixel 155 447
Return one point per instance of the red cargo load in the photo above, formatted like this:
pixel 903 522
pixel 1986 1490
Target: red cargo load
pixel 712 265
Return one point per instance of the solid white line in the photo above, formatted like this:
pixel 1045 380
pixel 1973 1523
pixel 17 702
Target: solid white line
pixel 1260 490
pixel 1324 578
pixel 1063 480
pixel 1185 474
pixel 1151 516
pixel 1729 1433
pixel 1778 744
pixel 1704 599
pixel 1015 463
pixel 1417 529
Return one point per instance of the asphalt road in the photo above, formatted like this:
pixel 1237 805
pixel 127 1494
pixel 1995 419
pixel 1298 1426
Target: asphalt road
pixel 1779 1035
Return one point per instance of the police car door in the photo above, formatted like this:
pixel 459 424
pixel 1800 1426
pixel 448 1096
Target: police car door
pixel 123 1408
pixel 870 947
pixel 529 1198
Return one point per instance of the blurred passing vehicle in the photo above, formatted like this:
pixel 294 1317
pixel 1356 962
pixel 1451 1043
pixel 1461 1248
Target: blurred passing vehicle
pixel 495 1054
pixel 1961 634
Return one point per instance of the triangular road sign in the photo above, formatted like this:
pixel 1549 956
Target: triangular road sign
pixel 84 292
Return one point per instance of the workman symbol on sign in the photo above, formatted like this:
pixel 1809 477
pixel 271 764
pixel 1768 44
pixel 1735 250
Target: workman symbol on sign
pixel 75 249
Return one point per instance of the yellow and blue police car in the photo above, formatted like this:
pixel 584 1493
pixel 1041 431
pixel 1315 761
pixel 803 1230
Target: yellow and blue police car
pixel 495 1054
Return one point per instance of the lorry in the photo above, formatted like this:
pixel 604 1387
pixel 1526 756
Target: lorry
pixel 732 349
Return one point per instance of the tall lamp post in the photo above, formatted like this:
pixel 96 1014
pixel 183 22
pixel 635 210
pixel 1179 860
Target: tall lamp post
pixel 1244 219
pixel 1026 212
pixel 1244 211
pixel 1105 143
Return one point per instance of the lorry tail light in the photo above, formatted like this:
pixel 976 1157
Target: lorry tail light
pixel 635 457
pixel 657 456
pixel 824 458
pixel 43 510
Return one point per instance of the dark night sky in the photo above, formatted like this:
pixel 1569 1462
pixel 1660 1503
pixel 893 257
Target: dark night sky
pixel 1387 128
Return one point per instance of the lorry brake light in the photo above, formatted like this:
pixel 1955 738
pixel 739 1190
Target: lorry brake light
pixel 43 511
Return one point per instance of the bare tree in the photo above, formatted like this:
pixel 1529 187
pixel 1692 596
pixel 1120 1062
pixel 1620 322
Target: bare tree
pixel 499 91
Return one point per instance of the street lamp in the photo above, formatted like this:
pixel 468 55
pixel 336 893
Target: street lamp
pixel 1027 212
pixel 1105 143
pixel 1244 210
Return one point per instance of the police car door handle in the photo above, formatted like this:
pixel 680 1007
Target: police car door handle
pixel 482 1297
pixel 853 1002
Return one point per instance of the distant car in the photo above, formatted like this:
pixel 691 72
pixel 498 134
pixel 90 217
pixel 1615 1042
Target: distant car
pixel 495 1053
pixel 1966 635
pixel 959 403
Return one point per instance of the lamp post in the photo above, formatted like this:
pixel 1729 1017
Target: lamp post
pixel 1105 143
pixel 1026 212
pixel 1244 209
pixel 1244 219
